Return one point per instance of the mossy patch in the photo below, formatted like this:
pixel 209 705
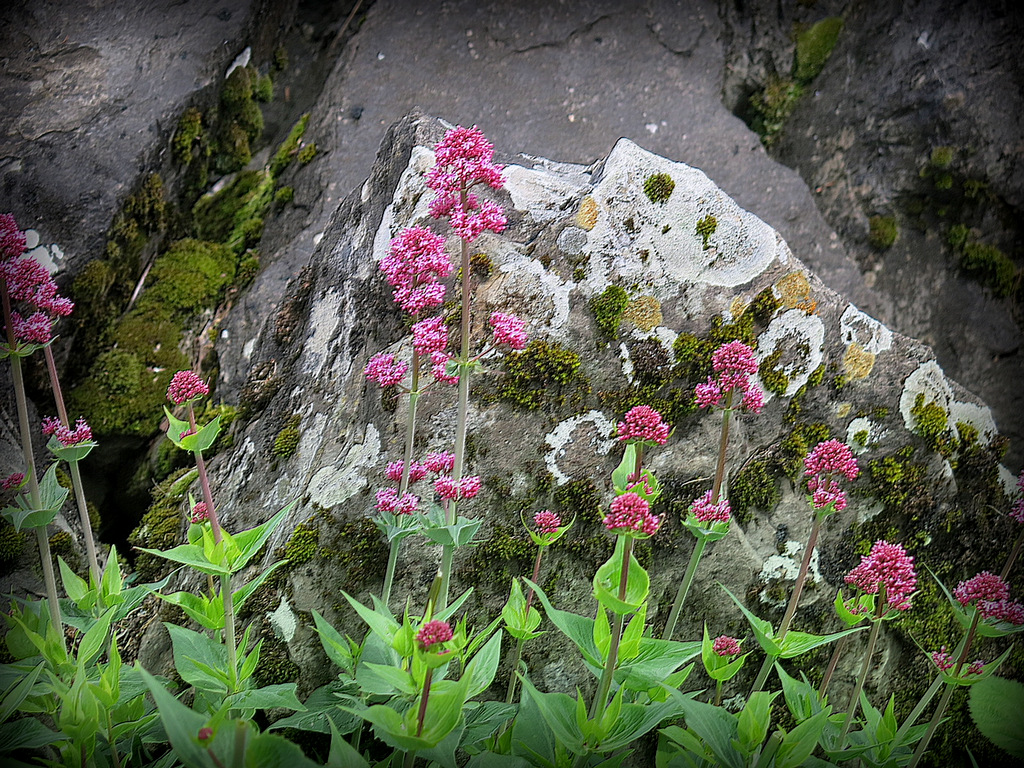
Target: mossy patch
pixel 287 440
pixel 772 105
pixel 991 267
pixel 883 232
pixel 608 308
pixel 705 229
pixel 814 46
pixel 187 135
pixel 754 486
pixel 659 187
pixel 12 544
pixel 545 373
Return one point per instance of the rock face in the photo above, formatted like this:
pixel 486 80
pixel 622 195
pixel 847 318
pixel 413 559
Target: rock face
pixel 574 231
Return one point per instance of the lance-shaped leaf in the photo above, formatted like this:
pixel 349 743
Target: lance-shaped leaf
pixel 198 441
pixel 70 453
pixel 52 496
pixel 607 582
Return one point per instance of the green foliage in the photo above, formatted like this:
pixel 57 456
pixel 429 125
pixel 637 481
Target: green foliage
pixel 233 216
pixel 190 130
pixel 307 153
pixel 302 545
pixel 608 308
pixel 289 147
pixel 658 187
pixel 764 306
pixel 543 373
pixel 284 195
pixel 693 354
pixel 264 90
pixel 883 232
pixel 706 228
pixel 774 378
pixel 755 486
pixel 991 267
pixel 814 46
pixel 287 439
pixel 941 157
pixel 190 277
pixel 899 483
pixel 772 106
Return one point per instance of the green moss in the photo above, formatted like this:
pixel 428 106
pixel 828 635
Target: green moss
pixel 543 373
pixel 190 277
pixel 706 228
pixel 579 499
pixel 755 486
pixel 774 378
pixel 608 308
pixel 860 437
pixel 958 236
pixel 264 90
pixel 772 105
pixel 883 232
pixel 899 483
pixel 480 265
pixel 301 546
pixel 307 153
pixel 280 62
pixel 764 306
pixel 276 666
pixel 941 157
pixel 12 544
pixel 284 195
pixel 651 365
pixel 62 545
pixel 190 130
pixel 287 439
pixel 796 445
pixel 162 525
pixel 991 267
pixel 233 150
pixel 579 274
pixel 233 216
pixel 658 187
pixel 673 403
pixel 814 46
pixel 817 376
pixel 241 120
pixel 931 424
pixel 289 147
pixel 359 547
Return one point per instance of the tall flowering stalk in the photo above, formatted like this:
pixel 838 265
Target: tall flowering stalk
pixel 734 367
pixel 824 466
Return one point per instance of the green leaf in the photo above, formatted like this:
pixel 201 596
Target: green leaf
pixel 484 665
pixel 559 712
pixel 797 643
pixel 343 754
pixel 634 720
pixel 111 583
pixel 997 708
pixel 579 629
pixel 206 611
pixel 192 555
pixel 250 541
pixel 654 662
pixel 175 427
pixel 267 697
pixel 608 578
pixel 196 656
pixel 25 733
pixel 70 453
pixel 268 750
pixel 799 743
pixel 181 723
pixel 51 498
pixel 762 629
pixel 16 693
pixel 75 586
pixel 394 680
pixel 714 726
pixel 620 475
pixel 382 623
pixel 802 699
pixel 754 720
pixel 457 534
pixel 335 646
pixel 94 641
pixel 322 711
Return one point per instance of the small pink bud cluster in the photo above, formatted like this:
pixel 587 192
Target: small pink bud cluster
pixel 28 284
pixel 388 500
pixel 464 160
pixel 547 521
pixel 200 513
pixel 415 262
pixel 450 489
pixel 887 564
pixel 629 512
pixel 706 512
pixel 396 468
pixel 509 329
pixel 984 587
pixel 186 386
pixel 440 462
pixel 385 370
pixel 734 364
pixel 942 659
pixel 432 633
pixel 430 336
pixel 643 424
pixel 65 436
pixel 12 481
pixel 825 461
pixel 724 645
pixel 1017 510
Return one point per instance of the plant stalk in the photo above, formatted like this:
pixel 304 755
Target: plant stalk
pixel 876 627
pixel 600 698
pixel 836 654
pixel 517 655
pixel 684 588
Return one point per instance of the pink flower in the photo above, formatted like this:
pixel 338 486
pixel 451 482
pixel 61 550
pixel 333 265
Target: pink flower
pixel 1009 611
pixel 67 437
pixel 451 489
pixel 547 521
pixel 50 425
pixel 706 512
pixel 388 500
pixel 724 645
pixel 983 587
pixel 826 460
pixel 976 667
pixel 470 222
pixel 430 336
pixel 13 481
pixel 887 564
pixel 509 329
pixel 414 263
pixel 463 160
pixel 385 369
pixel 186 386
pixel 205 733
pixel 440 462
pixel 395 468
pixel 12 239
pixel 432 633
pixel 439 368
pixel 643 424
pixel 35 329
pixel 200 513
pixel 942 659
pixel 24 277
pixel 630 512
pixel 734 364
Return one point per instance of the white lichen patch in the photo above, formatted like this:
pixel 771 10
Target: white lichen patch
pixel 796 332
pixel 627 362
pixel 741 247
pixel 283 620
pixel 786 567
pixel 323 320
pixel 49 257
pixel 977 416
pixel 562 435
pixel 527 281
pixel 541 192
pixel 334 484
pixel 858 327
pixel 931 381
pixel 864 428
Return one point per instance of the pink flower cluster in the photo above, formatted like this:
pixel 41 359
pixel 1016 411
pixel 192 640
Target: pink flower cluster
pixel 200 513
pixel 432 633
pixel 643 424
pixel 706 512
pixel 415 262
pixel 430 336
pixel 887 564
pixel 186 386
pixel 825 461
pixel 944 661
pixel 724 645
pixel 385 369
pixel 395 468
pixel 1009 611
pixel 13 480
pixel 28 284
pixel 388 500
pixel 65 436
pixel 984 587
pixel 440 462
pixel 547 521
pixel 1017 510
pixel 463 160
pixel 734 364
pixel 509 329
pixel 450 489
pixel 629 512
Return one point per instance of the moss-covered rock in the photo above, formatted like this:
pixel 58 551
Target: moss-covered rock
pixel 608 307
pixel 658 187
pixel 883 232
pixel 814 46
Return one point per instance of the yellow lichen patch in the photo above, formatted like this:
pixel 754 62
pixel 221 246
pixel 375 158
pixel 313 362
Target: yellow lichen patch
pixel 794 290
pixel 587 216
pixel 857 362
pixel 843 410
pixel 737 307
pixel 644 312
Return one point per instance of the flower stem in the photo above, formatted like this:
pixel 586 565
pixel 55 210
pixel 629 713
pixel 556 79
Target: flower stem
pixel 1013 556
pixel 876 627
pixel 716 489
pixel 422 714
pixel 836 654
pixel 684 588
pixel 794 599
pixel 605 685
pixel 517 655
pixel 918 709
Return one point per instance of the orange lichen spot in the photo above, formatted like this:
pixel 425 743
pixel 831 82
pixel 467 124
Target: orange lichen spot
pixel 644 312
pixel 794 289
pixel 857 362
pixel 587 216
